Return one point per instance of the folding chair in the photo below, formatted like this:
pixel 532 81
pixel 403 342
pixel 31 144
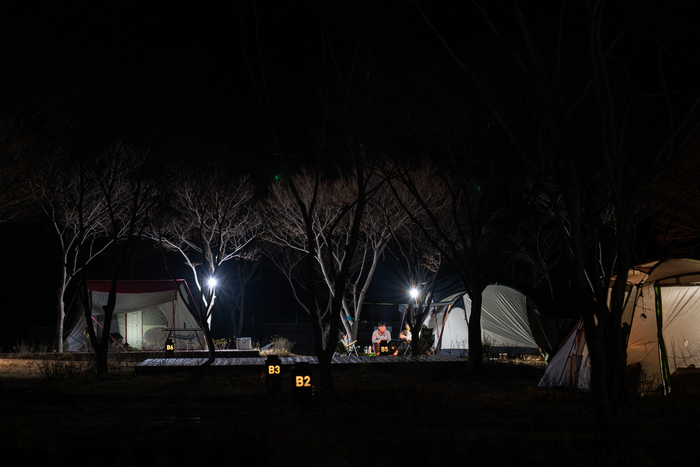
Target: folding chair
pixel 404 348
pixel 427 340
pixel 351 348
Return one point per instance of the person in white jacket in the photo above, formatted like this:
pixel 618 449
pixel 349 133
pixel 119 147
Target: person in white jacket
pixel 381 334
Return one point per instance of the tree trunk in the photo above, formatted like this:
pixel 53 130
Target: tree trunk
pixel 616 335
pixel 208 342
pixel 238 326
pixel 238 312
pixel 326 376
pixel 354 328
pixel 101 365
pixel 476 350
pixel 605 410
pixel 100 347
pixel 326 356
pixel 60 306
pixel 104 333
pixel 415 316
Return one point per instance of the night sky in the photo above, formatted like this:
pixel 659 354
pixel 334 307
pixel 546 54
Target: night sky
pixel 177 75
pixel 173 74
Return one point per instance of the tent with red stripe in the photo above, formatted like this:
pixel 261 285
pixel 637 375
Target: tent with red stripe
pixel 146 313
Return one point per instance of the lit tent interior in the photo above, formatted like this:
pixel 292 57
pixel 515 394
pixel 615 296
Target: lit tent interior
pixel 662 308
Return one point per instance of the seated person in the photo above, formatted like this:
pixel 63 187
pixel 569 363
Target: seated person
pixel 340 347
pixel 381 334
pixel 405 335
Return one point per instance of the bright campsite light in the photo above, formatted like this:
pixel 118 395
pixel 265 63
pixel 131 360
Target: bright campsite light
pixel 414 292
pixel 212 282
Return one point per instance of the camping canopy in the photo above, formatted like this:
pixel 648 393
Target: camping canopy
pixel 509 322
pixel 145 311
pixel 662 310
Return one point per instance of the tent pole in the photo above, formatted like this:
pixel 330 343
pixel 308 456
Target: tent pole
pixel 438 346
pixel 665 376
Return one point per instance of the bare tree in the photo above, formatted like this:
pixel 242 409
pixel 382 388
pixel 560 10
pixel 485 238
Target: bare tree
pixel 472 233
pixel 412 244
pixel 291 262
pixel 16 168
pixel 334 88
pixel 331 222
pixel 383 213
pixel 129 185
pixel 337 268
pixel 420 263
pixel 611 90
pixel 214 223
pixel 539 249
pixel 676 207
pixel 245 273
pixel 75 214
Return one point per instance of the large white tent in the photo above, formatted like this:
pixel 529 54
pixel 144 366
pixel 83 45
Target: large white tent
pixel 509 322
pixel 146 313
pixel 662 310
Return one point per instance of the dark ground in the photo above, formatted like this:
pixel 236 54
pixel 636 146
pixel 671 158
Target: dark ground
pixel 51 415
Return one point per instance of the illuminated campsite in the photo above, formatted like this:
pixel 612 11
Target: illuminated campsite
pixel 350 232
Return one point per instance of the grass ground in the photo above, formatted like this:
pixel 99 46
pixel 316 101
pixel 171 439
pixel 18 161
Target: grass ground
pixel 61 413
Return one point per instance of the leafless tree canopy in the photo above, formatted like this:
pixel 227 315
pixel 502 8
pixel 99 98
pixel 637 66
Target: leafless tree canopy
pixel 74 210
pixel 128 185
pixel 605 99
pixel 332 203
pixel 214 221
pixel 211 221
pixel 675 205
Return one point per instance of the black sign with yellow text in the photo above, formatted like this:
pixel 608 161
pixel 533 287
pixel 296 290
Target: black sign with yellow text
pixel 273 374
pixel 303 384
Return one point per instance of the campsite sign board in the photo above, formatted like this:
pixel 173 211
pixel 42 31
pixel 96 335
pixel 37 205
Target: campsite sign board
pixel 273 374
pixel 303 384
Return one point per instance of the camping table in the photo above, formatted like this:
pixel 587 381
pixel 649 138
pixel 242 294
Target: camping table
pixel 188 337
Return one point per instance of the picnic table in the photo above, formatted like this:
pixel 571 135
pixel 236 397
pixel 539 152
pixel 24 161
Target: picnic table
pixel 187 334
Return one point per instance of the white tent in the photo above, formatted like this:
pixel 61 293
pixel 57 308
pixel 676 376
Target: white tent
pixel 508 320
pixel 570 366
pixel 662 310
pixel 146 313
